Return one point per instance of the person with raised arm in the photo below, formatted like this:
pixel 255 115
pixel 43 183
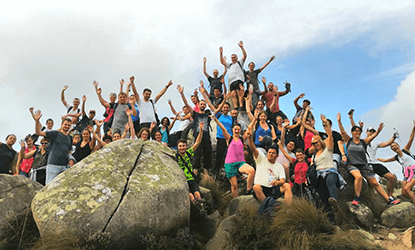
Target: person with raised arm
pixel 184 160
pixel 407 161
pixel 235 159
pixel 71 111
pixel 109 111
pixel 206 145
pixel 301 109
pixel 253 79
pixel 222 114
pixel 371 149
pixel 59 148
pixel 8 156
pixel 215 82
pixel 40 159
pixel 270 179
pixel 274 109
pixel 184 122
pixel 357 164
pixel 24 165
pixel 269 93
pixel 85 147
pixel 86 119
pixel 236 75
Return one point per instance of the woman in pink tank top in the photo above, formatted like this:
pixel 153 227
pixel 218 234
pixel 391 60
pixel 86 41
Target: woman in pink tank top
pixel 235 161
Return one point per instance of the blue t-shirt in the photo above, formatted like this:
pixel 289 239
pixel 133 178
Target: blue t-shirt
pixel 261 132
pixel 135 118
pixel 226 120
pixel 164 135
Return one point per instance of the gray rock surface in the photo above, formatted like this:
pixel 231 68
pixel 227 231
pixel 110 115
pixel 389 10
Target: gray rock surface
pixel 241 202
pixel 222 238
pixel 362 215
pixel 399 216
pixel 126 188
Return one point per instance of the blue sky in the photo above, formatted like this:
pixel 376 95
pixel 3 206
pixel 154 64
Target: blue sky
pixel 341 54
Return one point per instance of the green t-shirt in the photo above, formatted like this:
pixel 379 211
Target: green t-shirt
pixel 188 162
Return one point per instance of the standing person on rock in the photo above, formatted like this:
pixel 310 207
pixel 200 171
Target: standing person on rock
pixel 8 156
pixel 236 75
pixel 71 111
pixel 357 164
pixel 407 161
pixel 59 148
pixel 253 79
pixel 109 111
pixel 40 158
pixel 24 165
pixel 184 160
pixel 216 80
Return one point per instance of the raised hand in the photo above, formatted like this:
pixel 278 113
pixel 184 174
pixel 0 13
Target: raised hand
pixel 128 111
pixel 241 44
pixel 99 123
pixel 201 83
pixel 132 79
pixel 122 82
pixel 272 58
pixel 90 129
pixel 169 83
pixel 37 115
pixel 323 118
pixel 361 124
pixel 22 143
pixel 339 117
pixel 65 87
pixel 204 59
pixel 127 126
pixel 99 91
pixel 31 109
pixel 180 89
pixel 201 126
pixel 153 124
pixel 220 49
pixel 131 102
pixel 264 80
pixel 195 92
pixel 84 98
pixel 302 95
pixel 95 83
pixel 381 126
pixel 201 90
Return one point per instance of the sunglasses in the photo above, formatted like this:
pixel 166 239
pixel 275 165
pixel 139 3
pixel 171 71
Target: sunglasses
pixel 44 143
pixel 313 143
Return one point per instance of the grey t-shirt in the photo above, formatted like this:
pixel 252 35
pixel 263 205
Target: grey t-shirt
pixel 253 75
pixel 59 147
pixel 120 117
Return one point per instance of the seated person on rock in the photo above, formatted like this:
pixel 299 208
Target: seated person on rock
pixel 184 160
pixel 270 175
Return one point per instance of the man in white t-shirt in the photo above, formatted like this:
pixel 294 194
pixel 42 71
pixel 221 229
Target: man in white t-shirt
pixel 236 75
pixel 270 175
pixel 71 111
pixel 146 105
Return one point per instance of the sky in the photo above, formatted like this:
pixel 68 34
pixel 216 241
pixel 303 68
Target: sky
pixel 356 54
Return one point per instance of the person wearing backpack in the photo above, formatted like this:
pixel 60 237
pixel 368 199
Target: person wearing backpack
pixel 235 158
pixel 184 160
pixel 71 111
pixel 236 75
pixel 407 161
pixel 357 164
pixel 215 81
pixel 109 111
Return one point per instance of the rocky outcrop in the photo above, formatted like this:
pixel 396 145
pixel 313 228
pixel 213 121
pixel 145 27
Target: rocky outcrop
pixel 241 202
pixel 222 238
pixel 362 215
pixel 399 216
pixel 126 188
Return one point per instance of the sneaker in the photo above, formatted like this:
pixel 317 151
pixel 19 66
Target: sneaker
pixel 249 192
pixel 393 202
pixel 355 203
pixel 334 204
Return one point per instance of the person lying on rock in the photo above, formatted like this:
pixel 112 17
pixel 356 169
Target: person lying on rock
pixel 270 175
pixel 406 159
pixel 184 160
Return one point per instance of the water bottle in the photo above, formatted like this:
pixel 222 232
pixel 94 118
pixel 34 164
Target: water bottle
pixel 395 133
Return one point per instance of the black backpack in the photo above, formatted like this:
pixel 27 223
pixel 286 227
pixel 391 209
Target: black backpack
pixel 245 75
pixel 178 156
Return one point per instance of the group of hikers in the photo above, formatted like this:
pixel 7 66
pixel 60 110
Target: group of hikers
pixel 255 140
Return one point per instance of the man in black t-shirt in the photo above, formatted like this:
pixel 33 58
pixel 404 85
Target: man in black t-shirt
pixel 216 80
pixel 59 147
pixel 86 119
pixel 205 147
pixel 7 155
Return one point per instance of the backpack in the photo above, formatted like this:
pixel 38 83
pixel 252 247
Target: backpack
pixel 177 154
pixel 245 75
pixel 312 172
pixel 268 207
pixel 70 108
pixel 405 152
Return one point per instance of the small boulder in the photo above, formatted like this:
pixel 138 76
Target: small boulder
pixel 222 238
pixel 408 237
pixel 241 202
pixel 398 216
pixel 362 215
pixel 391 236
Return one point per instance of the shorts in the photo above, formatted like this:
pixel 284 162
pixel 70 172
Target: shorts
pixel 235 85
pixel 379 169
pixel 274 191
pixel 193 186
pixel 231 169
pixel 366 170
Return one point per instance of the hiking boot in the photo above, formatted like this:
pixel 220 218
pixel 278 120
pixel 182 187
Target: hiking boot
pixel 393 202
pixel 334 204
pixel 249 192
pixel 356 200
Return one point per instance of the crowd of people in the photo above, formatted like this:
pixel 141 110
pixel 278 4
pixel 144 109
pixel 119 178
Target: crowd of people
pixel 254 138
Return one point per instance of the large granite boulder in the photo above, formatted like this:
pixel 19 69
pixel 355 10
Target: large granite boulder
pixel 361 214
pixel 223 238
pixel 399 216
pixel 241 202
pixel 127 188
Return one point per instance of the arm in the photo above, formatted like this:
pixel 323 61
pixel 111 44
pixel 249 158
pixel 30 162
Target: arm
pixel 264 82
pixel 296 101
pixel 199 137
pixel 93 140
pixel 251 143
pixel 296 124
pixel 203 90
pixel 248 105
pixel 267 63
pixel 387 160
pixel 16 168
pixel 181 89
pixel 283 93
pixel 133 110
pixel 161 93
pixel 121 85
pixel 204 68
pixel 38 114
pixel 224 131
pixel 83 105
pixel 368 139
pixel 304 125
pixel 137 96
pixel 273 134
pixel 172 108
pixel 346 137
pixel 152 126
pixel 350 114
pixel 411 139
pixel 274 100
pixel 222 80
pixel 329 139
pixel 222 60
pixel 284 152
pixel 244 55
pixel 388 143
pixel 172 123
pixel 63 96
pixel 341 148
pixel 99 91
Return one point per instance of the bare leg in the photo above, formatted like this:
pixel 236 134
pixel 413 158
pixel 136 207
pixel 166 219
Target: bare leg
pixel 408 187
pixel 391 182
pixel 192 198
pixel 250 171
pixel 357 181
pixel 258 192
pixel 241 98
pixel 234 99
pixel 197 196
pixel 288 195
pixel 234 186
pixel 374 183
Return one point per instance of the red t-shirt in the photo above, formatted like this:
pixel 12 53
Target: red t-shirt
pixel 300 172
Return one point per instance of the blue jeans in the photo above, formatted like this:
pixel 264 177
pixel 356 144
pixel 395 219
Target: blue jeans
pixel 24 174
pixel 52 171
